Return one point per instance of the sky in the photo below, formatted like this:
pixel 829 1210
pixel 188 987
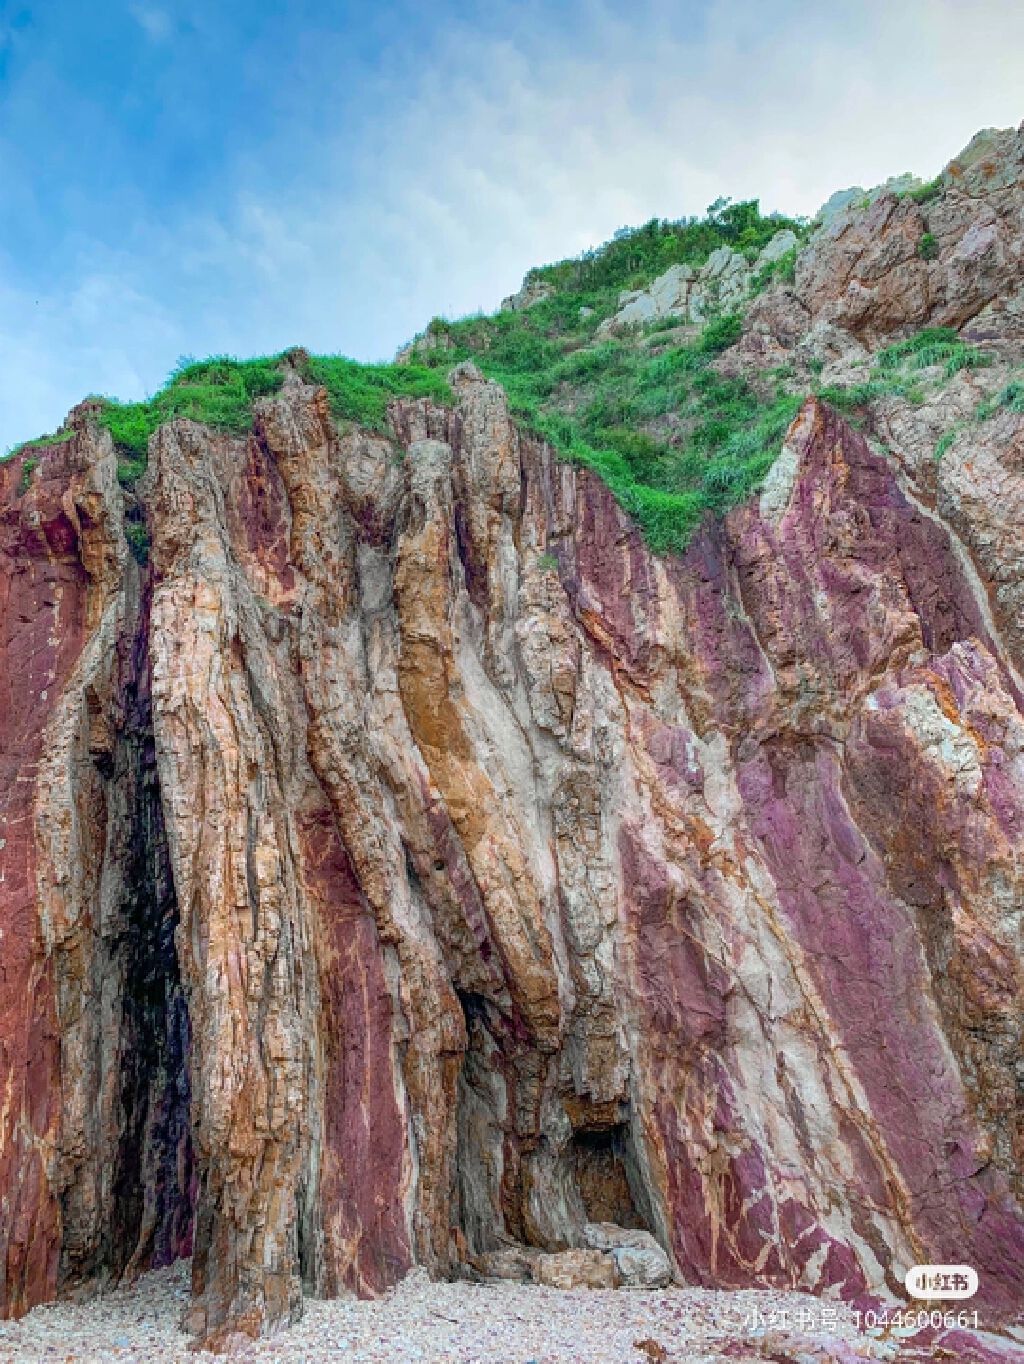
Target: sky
pixel 239 176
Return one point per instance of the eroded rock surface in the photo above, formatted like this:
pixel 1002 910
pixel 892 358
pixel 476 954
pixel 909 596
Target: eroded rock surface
pixel 407 867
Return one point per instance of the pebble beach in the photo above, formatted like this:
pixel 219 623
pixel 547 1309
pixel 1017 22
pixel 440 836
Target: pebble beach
pixel 457 1323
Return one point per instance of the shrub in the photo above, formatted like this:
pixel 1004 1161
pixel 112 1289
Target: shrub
pixel 721 333
pixel 138 541
pixel 928 247
pixel 926 193
pixel 666 324
pixel 28 468
pixel 783 269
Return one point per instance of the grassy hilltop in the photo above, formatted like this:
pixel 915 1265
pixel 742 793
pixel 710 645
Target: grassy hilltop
pixel 649 411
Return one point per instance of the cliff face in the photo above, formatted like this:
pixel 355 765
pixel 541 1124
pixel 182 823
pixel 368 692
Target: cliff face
pixel 406 866
pixel 95 1149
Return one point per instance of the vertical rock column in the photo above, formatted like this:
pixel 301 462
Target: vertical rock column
pixel 365 760
pixel 226 756
pixel 62 606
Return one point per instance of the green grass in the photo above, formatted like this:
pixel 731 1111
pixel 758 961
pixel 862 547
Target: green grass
pixel 38 443
pixel 603 406
pixel 361 393
pixel 1010 399
pixel 27 470
pixel 928 247
pixel 674 440
pixel 897 372
pixel 944 442
pixel 595 403
pixel 721 333
pixel 926 193
pixel 931 347
pixel 220 393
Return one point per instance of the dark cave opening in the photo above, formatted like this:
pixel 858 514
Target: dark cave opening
pixel 524 1174
pixel 601 1160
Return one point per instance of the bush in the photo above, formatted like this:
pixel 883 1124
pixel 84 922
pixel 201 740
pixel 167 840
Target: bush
pixel 928 247
pixel 926 193
pixel 721 333
pixel 783 269
pixel 138 541
pixel 28 468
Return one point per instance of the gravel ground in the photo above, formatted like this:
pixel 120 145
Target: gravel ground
pixel 455 1323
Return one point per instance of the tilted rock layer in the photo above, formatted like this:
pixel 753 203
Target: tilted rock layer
pixel 406 866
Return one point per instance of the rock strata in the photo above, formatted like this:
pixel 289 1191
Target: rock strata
pixel 406 867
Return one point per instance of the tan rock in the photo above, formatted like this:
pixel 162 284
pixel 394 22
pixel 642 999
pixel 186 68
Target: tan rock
pixel 575 1269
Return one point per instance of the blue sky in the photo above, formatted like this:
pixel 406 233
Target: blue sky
pixel 185 178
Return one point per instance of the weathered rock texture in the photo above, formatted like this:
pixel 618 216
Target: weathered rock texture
pixel 406 866
pixel 95 1144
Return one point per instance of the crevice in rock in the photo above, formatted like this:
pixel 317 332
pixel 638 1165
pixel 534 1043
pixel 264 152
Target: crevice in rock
pixel 482 1120
pixel 153 1194
pixel 128 1200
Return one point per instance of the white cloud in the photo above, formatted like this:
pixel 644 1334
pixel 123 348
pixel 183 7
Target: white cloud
pixel 156 23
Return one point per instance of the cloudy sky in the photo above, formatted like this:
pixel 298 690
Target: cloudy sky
pixel 239 176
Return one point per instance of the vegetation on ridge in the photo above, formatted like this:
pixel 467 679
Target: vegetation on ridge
pixel 673 432
pixel 634 257
pixel 671 436
pixel 220 393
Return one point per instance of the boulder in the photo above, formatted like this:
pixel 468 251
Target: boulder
pixel 640 1261
pixel 533 291
pixel 576 1269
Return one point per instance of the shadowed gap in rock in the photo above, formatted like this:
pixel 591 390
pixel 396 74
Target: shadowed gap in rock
pixel 146 1182
pixel 153 1196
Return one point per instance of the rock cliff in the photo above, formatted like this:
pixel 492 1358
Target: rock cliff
pixel 405 865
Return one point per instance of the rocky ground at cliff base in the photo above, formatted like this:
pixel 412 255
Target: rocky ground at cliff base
pixel 462 1323
pixel 456 1323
